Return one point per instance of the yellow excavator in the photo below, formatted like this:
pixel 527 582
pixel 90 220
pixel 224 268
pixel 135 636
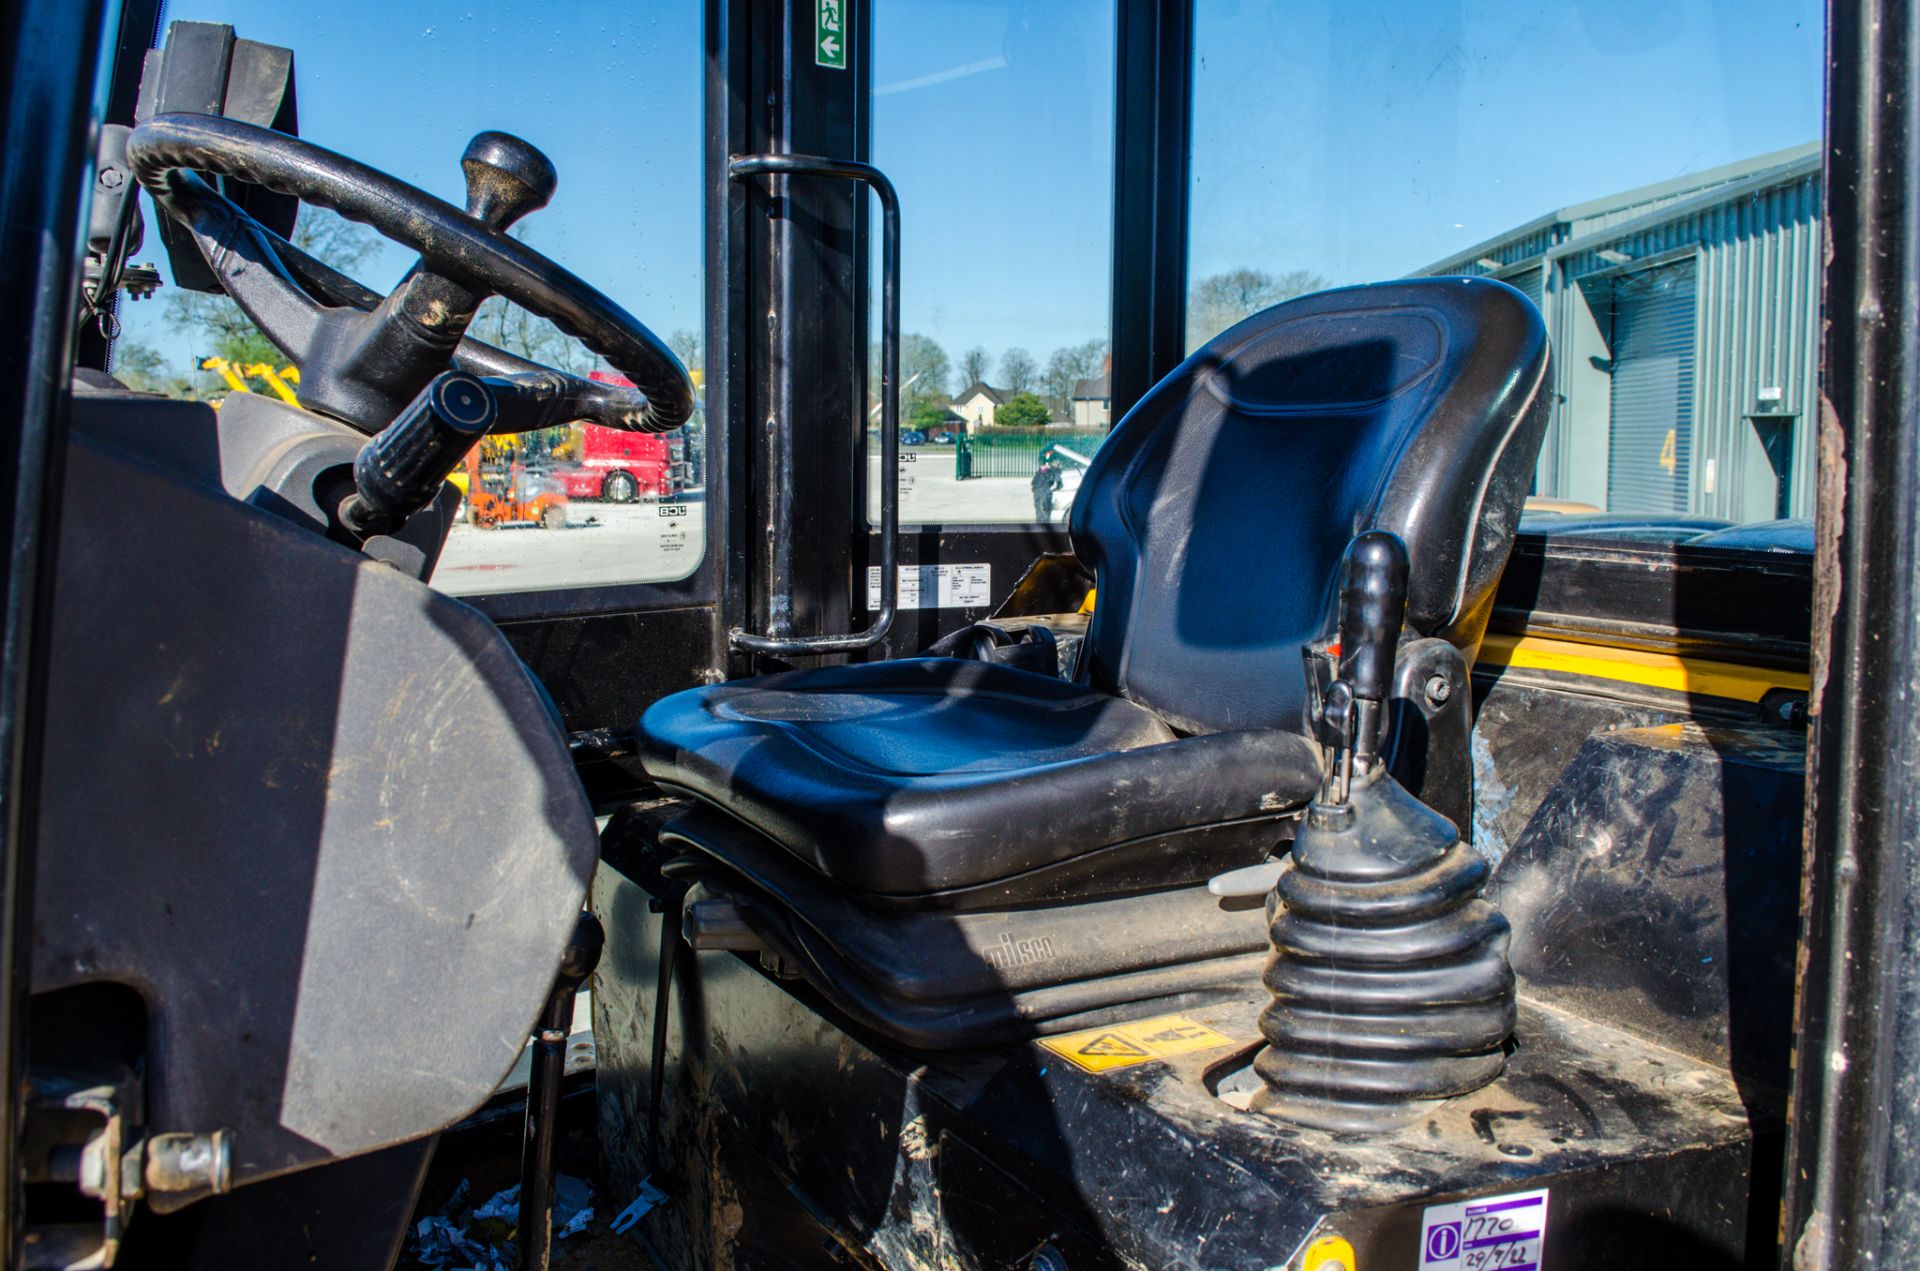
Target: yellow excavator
pixel 236 374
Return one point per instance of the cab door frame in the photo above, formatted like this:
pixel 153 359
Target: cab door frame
pixel 1853 1150
pixel 798 467
pixel 53 81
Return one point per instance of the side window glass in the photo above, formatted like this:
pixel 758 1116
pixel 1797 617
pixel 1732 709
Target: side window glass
pixel 403 89
pixel 1647 174
pixel 1006 252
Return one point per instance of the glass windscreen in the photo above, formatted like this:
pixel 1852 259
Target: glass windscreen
pixel 610 93
pixel 995 121
pixel 1648 174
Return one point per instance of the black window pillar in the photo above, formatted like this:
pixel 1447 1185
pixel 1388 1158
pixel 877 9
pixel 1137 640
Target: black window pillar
pixel 50 53
pixel 787 316
pixel 1153 100
pixel 1853 1155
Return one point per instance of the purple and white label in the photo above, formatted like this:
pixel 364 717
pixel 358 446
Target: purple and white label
pixel 1488 1233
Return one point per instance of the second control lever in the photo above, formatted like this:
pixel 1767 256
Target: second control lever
pixel 402 467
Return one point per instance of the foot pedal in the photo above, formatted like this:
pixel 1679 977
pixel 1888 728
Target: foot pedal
pixel 649 1199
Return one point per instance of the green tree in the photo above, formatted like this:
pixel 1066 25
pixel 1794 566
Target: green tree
pixel 1019 370
pixel 974 365
pixel 1219 301
pixel 924 368
pixel 1023 410
pixel 142 368
pixel 928 415
pixel 219 329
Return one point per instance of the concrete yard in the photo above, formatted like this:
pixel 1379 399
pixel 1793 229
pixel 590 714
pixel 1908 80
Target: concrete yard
pixel 603 544
pixel 606 544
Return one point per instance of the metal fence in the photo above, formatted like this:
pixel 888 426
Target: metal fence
pixel 1015 452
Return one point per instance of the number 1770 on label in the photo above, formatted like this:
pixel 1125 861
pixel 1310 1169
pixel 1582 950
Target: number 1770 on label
pixel 1490 1233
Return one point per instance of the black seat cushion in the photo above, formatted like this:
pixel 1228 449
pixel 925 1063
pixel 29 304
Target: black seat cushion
pixel 930 776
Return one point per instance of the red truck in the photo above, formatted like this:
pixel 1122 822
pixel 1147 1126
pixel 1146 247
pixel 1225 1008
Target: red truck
pixel 619 466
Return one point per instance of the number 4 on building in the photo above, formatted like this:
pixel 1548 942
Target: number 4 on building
pixel 1668 458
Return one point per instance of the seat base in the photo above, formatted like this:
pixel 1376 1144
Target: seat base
pixel 940 783
pixel 946 979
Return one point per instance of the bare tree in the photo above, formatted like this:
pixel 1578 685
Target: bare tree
pixel 1019 370
pixel 506 325
pixel 686 345
pixel 344 244
pixel 1219 301
pixel 975 363
pixel 1066 368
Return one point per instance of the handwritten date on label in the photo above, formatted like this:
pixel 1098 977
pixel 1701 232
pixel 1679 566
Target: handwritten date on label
pixel 1489 1233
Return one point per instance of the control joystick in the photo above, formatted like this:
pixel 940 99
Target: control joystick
pixel 1390 981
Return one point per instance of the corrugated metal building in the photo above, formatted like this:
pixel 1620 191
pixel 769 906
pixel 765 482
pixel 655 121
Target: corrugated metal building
pixel 1684 318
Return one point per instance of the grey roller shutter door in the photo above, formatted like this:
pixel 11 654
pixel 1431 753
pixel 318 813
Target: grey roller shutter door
pixel 1527 282
pixel 1650 446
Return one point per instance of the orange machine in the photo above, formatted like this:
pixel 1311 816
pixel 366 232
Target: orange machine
pixel 507 485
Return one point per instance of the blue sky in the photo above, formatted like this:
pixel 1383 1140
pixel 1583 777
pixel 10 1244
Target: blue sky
pixel 611 92
pixel 1362 140
pixel 1356 138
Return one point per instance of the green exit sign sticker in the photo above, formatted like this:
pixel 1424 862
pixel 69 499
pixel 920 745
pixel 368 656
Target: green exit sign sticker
pixel 830 34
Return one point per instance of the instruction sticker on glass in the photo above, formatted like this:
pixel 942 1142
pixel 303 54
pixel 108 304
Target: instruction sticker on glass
pixel 1490 1233
pixel 937 586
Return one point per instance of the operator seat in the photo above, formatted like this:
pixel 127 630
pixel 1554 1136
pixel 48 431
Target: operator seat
pixel 958 851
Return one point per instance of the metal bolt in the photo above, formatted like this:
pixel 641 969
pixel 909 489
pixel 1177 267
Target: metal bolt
pixel 1439 689
pixel 190 1162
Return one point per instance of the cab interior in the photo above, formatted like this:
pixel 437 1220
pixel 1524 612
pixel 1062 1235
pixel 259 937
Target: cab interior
pixel 1313 774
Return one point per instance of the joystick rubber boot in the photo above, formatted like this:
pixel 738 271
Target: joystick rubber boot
pixel 1390 981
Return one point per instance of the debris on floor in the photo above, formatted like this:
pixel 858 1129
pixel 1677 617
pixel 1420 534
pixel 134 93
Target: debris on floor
pixel 481 1236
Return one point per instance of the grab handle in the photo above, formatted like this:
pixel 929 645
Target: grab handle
pixel 746 165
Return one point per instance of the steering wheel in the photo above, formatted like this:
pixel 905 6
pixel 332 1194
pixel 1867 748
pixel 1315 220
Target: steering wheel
pixel 364 357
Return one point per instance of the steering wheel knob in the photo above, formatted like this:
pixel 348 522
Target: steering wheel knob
pixel 506 178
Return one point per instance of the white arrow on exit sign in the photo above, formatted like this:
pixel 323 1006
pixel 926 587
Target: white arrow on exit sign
pixel 829 30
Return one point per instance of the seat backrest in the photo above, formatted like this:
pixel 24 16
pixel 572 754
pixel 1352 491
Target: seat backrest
pixel 1215 516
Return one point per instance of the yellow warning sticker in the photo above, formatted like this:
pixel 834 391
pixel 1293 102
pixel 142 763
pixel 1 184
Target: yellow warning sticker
pixel 1102 1049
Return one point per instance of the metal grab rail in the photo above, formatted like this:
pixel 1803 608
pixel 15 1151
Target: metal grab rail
pixel 747 165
